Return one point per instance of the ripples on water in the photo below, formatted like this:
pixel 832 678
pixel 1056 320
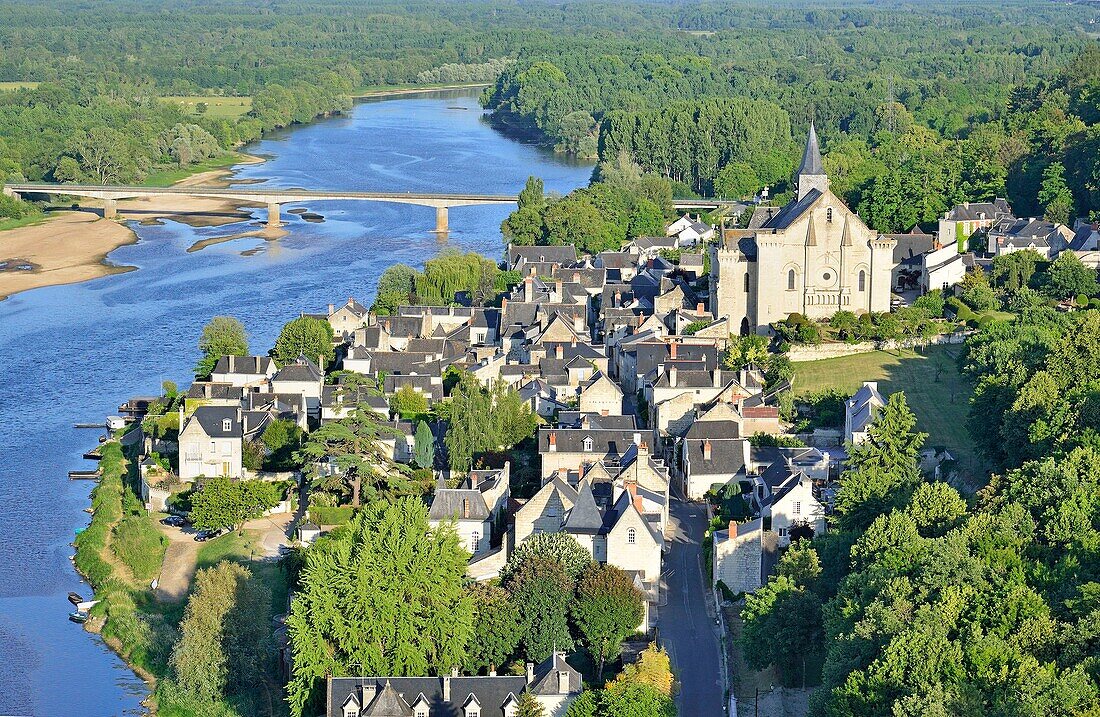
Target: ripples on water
pixel 73 353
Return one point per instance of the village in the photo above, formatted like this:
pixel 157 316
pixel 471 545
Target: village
pixel 640 382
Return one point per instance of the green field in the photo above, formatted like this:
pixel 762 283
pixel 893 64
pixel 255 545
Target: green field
pixel 217 107
pixel 22 222
pixel 8 86
pixel 938 394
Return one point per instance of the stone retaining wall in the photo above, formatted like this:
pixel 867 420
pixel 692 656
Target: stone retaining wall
pixel 836 350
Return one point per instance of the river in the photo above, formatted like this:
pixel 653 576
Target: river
pixel 72 353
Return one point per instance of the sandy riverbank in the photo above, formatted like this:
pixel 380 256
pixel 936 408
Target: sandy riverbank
pixel 72 245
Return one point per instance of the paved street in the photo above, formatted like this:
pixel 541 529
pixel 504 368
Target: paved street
pixel 686 626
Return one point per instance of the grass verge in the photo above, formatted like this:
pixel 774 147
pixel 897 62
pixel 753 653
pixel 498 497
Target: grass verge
pixel 168 177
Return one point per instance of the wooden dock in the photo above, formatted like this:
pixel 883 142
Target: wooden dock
pixel 84 475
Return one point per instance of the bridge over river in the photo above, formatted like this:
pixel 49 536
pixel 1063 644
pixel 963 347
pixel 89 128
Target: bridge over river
pixel 274 197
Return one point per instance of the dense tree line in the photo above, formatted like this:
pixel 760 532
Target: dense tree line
pixel 915 602
pixel 448 277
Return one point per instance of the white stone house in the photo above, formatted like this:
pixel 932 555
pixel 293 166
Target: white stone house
pixel 303 377
pixel 210 443
pixel 601 395
pixel 794 505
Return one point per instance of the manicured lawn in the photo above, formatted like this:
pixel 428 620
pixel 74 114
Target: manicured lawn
pixel 938 394
pixel 168 177
pixel 8 86
pixel 230 546
pixel 216 107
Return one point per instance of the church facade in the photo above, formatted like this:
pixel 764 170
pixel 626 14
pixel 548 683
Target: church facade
pixel 812 257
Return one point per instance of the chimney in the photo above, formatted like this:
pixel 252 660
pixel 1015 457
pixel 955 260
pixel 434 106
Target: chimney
pixel 557 289
pixel 474 479
pixel 706 450
pixel 672 349
pixel 643 449
pixel 553 442
pixel 637 439
pixel 530 673
pixel 503 305
pixel 331 309
pixel 563 474
pixel 576 277
pixel 717 377
pixel 563 682
pixel 631 486
pixel 446 688
pixel 578 322
pixel 700 308
pixel 638 504
pixel 559 351
pixel 672 375
pixel 321 362
pixel 465 509
pixel 454 672
pixel 529 289
pixel 733 529
pixel 573 341
pixel 618 299
pixel 369 692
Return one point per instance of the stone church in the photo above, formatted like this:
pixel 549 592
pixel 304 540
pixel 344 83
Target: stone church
pixel 813 257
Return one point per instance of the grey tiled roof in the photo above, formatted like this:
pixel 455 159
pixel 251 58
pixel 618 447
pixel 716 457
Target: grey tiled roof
pixel 458 503
pixel 212 420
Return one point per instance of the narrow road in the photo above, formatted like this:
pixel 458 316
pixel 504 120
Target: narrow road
pixel 687 628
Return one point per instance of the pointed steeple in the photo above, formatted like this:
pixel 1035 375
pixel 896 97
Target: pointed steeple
pixel 811 157
pixel 811 173
pixel 811 231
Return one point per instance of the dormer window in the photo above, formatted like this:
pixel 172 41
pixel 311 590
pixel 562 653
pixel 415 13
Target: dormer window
pixel 588 443
pixel 227 424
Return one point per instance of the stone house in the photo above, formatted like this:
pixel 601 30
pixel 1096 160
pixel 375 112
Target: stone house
pixel 967 219
pixel 210 443
pixel 1046 238
pixel 706 462
pixel 793 504
pixel 860 411
pixel 602 396
pixel 575 448
pixel 303 377
pixel 738 556
pixel 465 508
pixel 345 320
pixel 554 683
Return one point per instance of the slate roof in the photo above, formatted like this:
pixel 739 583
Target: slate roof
pixel 605 442
pixel 585 516
pixel 243 364
pixel 617 260
pixel 972 211
pixel 212 418
pixel 565 254
pixel 213 390
pixel 911 244
pixel 811 156
pixel 492 692
pixel 727 456
pixel 790 213
pixel 458 503
pixel 303 369
pixel 752 526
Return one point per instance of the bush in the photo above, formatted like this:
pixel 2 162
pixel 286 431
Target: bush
pixel 1082 300
pixel 12 208
pixel 322 515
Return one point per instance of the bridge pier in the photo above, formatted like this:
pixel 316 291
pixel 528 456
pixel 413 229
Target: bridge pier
pixel 273 216
pixel 110 208
pixel 11 192
pixel 441 231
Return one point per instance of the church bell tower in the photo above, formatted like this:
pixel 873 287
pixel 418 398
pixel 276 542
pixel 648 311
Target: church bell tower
pixel 811 175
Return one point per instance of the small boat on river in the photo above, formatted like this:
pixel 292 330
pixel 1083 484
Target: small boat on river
pixel 75 598
pixel 80 616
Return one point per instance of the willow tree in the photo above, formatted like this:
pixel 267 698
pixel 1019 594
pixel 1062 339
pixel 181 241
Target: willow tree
pixel 383 596
pixel 482 420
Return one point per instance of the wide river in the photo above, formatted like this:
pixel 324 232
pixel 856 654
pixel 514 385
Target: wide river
pixel 71 354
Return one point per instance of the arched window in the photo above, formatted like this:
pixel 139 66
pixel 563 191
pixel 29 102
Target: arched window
pixel 631 536
pixel 746 283
pixel 790 280
pixel 829 214
pixel 862 280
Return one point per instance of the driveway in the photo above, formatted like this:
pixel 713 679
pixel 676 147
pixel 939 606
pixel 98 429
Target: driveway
pixel 687 627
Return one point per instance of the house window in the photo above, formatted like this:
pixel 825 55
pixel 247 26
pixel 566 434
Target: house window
pixel 587 444
pixel 862 281
pixel 632 536
pixel 790 280
pixel 421 712
pixel 782 532
pixel 351 712
pixel 475 538
pixel 227 425
pixel 227 448
pixel 797 508
pixel 213 447
pixel 746 283
pixel 829 214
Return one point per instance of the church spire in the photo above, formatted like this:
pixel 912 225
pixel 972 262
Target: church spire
pixel 811 157
pixel 811 173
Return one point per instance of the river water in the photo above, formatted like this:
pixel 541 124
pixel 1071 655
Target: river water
pixel 71 354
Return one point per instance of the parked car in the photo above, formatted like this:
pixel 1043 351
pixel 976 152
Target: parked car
pixel 174 520
pixel 204 535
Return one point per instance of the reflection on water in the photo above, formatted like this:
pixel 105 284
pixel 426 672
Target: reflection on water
pixel 72 353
